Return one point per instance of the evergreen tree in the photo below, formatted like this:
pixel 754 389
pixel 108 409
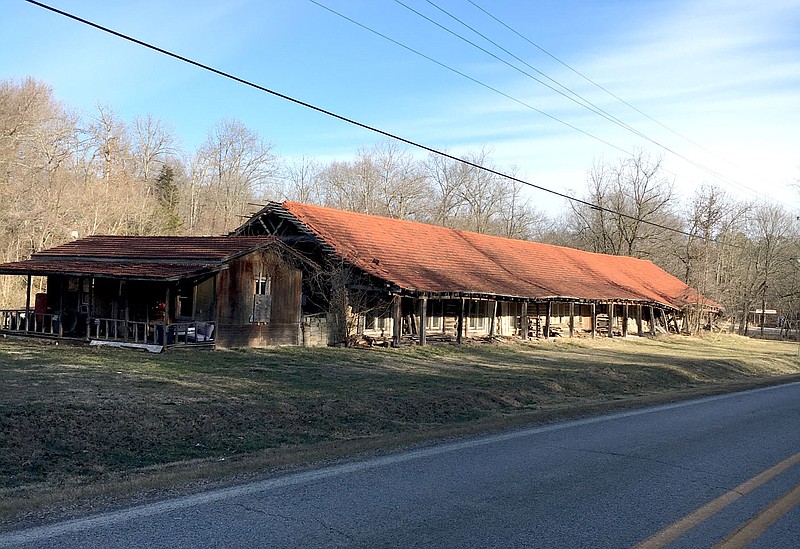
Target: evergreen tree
pixel 166 191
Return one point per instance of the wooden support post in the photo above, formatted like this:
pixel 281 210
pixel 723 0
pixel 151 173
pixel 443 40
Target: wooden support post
pixel 548 312
pixel 625 320
pixel 652 321
pixel 397 320
pixel 594 320
pixel 460 325
pixel 28 305
pixel 664 318
pixel 639 330
pixel 523 321
pixel 467 312
pixel 127 317
pixel 610 320
pixel 572 319
pixel 423 320
pixel 61 290
pixel 215 299
pixel 492 316
pixel 89 300
pixel 167 309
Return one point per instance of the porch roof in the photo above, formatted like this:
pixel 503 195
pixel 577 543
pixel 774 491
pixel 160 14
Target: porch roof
pixel 164 258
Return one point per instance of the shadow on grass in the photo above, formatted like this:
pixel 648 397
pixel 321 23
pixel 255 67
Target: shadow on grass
pixel 79 413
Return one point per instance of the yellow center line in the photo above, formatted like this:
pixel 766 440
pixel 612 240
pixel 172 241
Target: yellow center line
pixel 677 529
pixel 756 526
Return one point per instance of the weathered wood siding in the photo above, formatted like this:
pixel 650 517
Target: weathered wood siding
pixel 236 288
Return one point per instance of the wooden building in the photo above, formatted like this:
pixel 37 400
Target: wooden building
pixel 413 281
pixel 157 292
pixel 296 274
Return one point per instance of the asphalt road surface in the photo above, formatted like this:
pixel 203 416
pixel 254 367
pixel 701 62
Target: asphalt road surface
pixel 721 470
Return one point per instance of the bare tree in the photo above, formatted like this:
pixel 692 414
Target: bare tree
pixel 519 218
pixel 482 193
pixel 401 185
pixel 757 261
pixel 35 137
pixel 301 180
pixel 110 142
pixel 382 180
pixel 447 180
pixel 710 215
pixel 629 200
pixel 465 196
pixel 153 143
pixel 236 167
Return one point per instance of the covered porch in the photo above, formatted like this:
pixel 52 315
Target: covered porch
pixel 150 314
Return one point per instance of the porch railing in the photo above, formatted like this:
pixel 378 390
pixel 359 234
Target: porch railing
pixel 109 329
pixel 152 333
pixel 16 320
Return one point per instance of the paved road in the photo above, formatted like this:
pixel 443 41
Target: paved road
pixel 608 481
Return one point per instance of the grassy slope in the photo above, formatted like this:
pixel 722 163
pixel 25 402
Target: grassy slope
pixel 72 418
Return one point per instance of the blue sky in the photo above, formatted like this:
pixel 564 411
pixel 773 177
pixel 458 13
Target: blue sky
pixel 723 73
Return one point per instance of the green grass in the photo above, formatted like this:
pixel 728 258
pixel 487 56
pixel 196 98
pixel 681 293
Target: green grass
pixel 77 416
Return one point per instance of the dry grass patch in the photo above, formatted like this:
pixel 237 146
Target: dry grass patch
pixel 73 419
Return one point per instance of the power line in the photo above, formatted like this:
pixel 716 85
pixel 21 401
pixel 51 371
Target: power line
pixel 586 104
pixel 567 93
pixel 618 98
pixel 578 99
pixel 592 108
pixel 468 77
pixel 357 123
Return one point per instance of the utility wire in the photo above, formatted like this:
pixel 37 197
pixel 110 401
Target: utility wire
pixel 468 77
pixel 567 93
pixel 593 82
pixel 582 102
pixel 574 96
pixel 359 124
pixel 593 108
pixel 618 98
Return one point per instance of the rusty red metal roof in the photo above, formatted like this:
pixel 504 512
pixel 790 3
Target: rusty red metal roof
pixel 176 248
pixel 427 258
pixel 139 257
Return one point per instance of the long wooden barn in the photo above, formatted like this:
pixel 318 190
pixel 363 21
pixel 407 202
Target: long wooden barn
pixel 414 281
pixel 296 274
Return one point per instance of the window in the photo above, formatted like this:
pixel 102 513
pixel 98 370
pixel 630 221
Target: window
pixel 262 285
pixel 373 321
pixel 476 316
pixel 262 298
pixel 434 315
